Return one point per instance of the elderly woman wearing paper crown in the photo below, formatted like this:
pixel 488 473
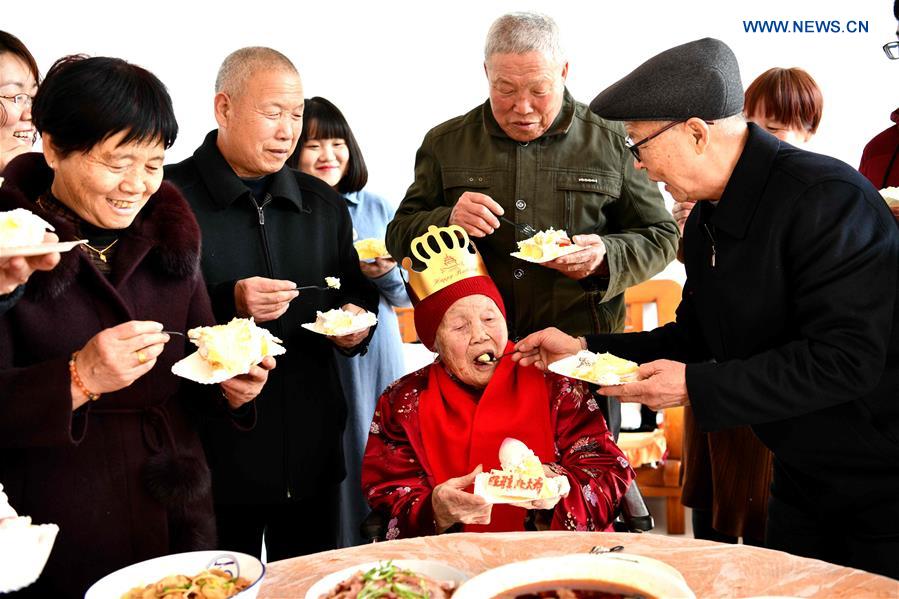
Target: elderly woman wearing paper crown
pixel 435 429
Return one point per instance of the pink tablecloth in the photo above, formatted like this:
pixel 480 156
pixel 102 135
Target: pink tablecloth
pixel 711 569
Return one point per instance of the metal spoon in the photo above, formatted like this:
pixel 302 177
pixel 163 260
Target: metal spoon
pixel 494 359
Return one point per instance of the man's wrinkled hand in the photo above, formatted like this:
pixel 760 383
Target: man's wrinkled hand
pixel 680 211
pixel 662 384
pixel 263 299
pixel 545 347
pixel 582 263
pixel 353 339
pixel 476 213
pixel 244 388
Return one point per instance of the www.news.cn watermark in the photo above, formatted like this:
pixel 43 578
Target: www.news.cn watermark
pixel 805 26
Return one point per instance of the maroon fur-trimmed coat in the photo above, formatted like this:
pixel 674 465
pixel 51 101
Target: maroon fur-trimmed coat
pixel 124 477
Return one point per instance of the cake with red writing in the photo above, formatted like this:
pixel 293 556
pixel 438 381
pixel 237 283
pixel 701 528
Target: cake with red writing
pixel 522 477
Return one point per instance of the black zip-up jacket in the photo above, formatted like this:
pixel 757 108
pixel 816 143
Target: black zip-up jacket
pixel 790 323
pixel 299 231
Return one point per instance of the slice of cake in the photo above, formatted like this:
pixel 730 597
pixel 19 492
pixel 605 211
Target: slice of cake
pixel 522 477
pixel 371 248
pixel 890 195
pixel 604 369
pixel 546 244
pixel 234 347
pixel 21 227
pixel 333 322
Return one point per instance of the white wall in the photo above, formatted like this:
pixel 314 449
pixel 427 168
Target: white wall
pixel 398 68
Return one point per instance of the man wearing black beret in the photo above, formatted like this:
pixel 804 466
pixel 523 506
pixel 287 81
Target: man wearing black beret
pixel 788 320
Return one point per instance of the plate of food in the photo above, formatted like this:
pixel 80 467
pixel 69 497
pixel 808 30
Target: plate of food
pixel 545 246
pixel 22 234
pixel 404 577
pixel 579 575
pixel 600 369
pixel 371 248
pixel 40 249
pixel 204 573
pixel 226 350
pixel 24 547
pixel 338 322
pixel 521 480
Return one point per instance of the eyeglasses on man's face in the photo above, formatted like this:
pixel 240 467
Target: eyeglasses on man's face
pixel 891 49
pixel 23 100
pixel 635 147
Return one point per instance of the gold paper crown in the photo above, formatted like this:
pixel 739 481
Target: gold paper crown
pixel 448 256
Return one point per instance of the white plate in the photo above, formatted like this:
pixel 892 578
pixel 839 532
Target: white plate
pixel 39 249
pixel 430 568
pixel 563 251
pixel 566 366
pixel 360 322
pixel 189 564
pixel 561 482
pixel 195 368
pixel 652 577
pixel 23 552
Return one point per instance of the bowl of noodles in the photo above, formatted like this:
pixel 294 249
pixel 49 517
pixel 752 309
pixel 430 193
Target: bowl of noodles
pixel 192 575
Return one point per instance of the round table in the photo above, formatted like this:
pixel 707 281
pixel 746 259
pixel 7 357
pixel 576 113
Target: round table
pixel 711 569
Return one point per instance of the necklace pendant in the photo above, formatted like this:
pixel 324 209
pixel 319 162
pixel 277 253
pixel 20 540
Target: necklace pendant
pixel 102 258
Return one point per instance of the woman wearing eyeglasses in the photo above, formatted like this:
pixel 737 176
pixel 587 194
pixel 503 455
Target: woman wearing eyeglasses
pixel 18 84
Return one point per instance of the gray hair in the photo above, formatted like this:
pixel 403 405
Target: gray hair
pixel 523 32
pixel 241 64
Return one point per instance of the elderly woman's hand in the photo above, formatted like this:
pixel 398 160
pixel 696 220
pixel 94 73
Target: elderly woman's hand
pixel 116 357
pixel 545 347
pixel 451 504
pixel 245 387
pixel 353 339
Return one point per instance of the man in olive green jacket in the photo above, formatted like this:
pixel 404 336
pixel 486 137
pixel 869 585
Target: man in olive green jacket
pixel 534 155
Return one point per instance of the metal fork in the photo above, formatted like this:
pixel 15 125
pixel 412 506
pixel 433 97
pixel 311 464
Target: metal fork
pixel 523 228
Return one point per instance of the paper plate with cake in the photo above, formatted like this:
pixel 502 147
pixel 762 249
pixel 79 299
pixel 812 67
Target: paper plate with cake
pixel 226 350
pixel 545 246
pixel 371 248
pixel 22 234
pixel 522 478
pixel 338 322
pixel 600 369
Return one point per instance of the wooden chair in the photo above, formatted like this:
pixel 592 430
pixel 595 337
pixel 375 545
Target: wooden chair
pixel 406 318
pixel 667 479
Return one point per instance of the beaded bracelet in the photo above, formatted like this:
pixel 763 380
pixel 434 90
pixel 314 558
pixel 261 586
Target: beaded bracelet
pixel 77 380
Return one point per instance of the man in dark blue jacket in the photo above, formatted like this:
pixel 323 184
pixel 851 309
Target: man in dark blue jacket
pixel 788 321
pixel 267 230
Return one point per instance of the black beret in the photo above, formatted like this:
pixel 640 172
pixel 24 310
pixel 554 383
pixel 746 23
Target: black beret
pixel 698 79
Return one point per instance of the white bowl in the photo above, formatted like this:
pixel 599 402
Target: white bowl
pixel 430 568
pixel 23 552
pixel 652 577
pixel 189 564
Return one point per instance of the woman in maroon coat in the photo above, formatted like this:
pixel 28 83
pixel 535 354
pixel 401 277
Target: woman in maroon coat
pixel 94 428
